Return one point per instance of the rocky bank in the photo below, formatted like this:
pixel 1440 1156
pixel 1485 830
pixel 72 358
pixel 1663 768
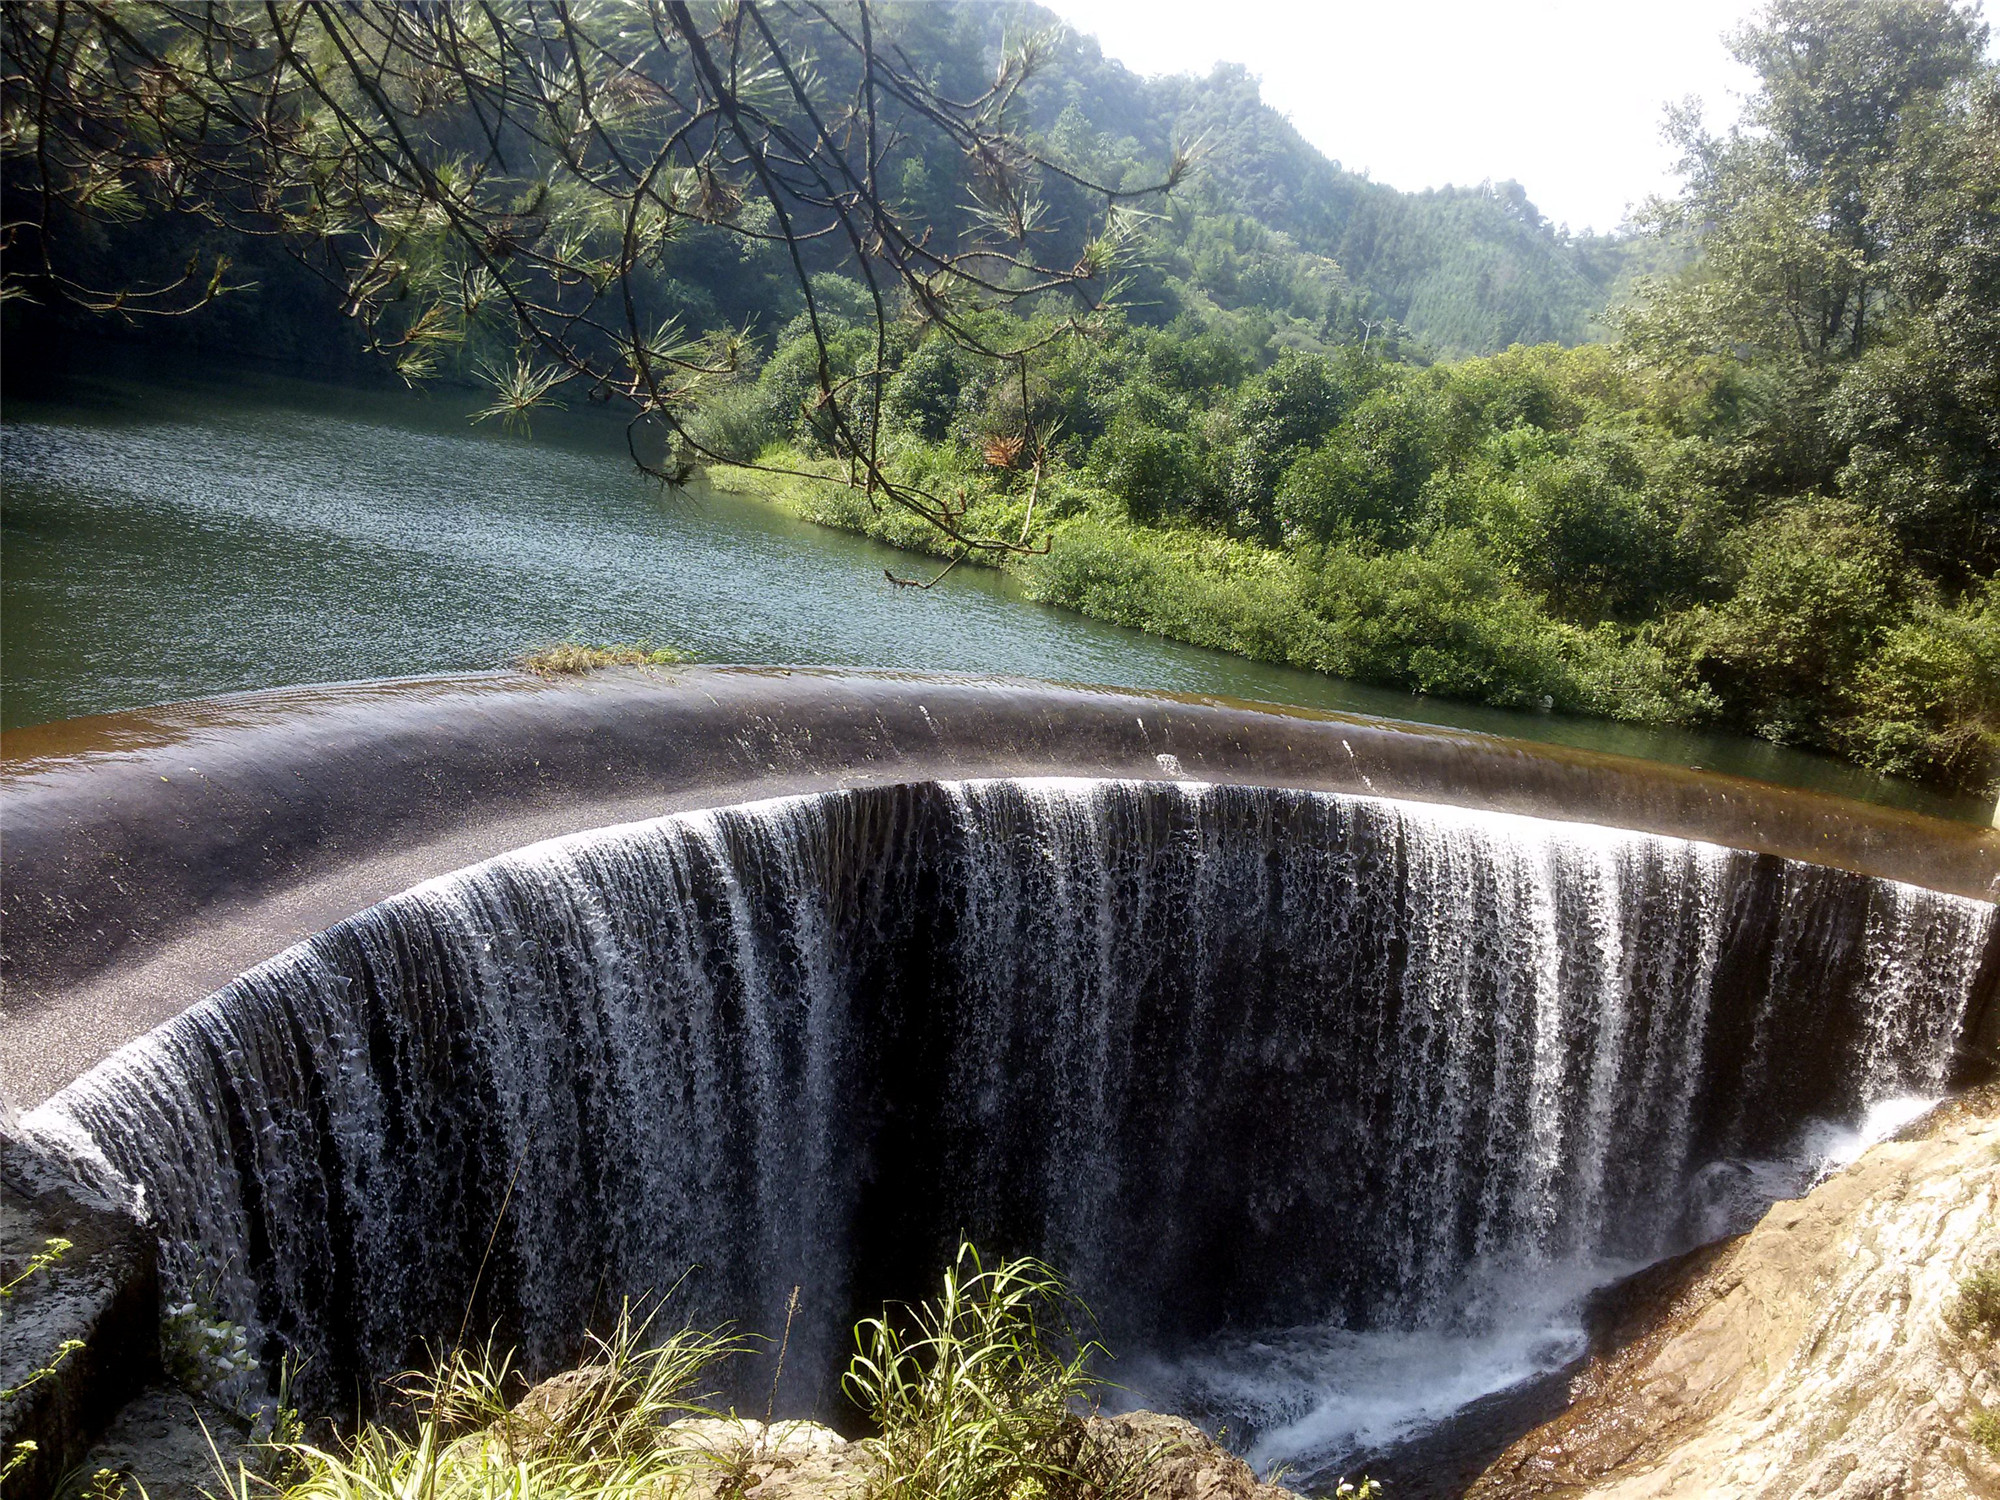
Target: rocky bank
pixel 1822 1356
pixel 1812 1357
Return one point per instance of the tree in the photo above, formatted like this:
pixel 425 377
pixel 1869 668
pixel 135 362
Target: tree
pixel 1294 405
pixel 1576 522
pixel 1787 208
pixel 1849 238
pixel 1363 482
pixel 510 175
pixel 1820 585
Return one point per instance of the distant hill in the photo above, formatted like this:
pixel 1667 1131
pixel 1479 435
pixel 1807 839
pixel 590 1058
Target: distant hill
pixel 1266 236
pixel 1464 270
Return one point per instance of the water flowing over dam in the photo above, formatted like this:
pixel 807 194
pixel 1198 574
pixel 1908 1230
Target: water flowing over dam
pixel 1236 1058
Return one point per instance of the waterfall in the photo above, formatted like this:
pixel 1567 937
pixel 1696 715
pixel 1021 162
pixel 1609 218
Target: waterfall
pixel 1235 1058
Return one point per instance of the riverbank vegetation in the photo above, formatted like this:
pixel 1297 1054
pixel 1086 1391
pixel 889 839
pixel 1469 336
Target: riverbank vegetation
pixel 1771 505
pixel 979 1394
pixel 578 658
pixel 967 286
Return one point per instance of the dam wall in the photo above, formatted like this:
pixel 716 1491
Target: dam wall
pixel 1235 1057
pixel 151 857
pixel 1299 1041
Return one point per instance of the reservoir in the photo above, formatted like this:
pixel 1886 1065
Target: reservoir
pixel 169 538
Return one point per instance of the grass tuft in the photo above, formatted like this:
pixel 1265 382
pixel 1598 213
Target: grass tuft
pixel 1985 1429
pixel 1975 1311
pixel 980 1394
pixel 976 1395
pixel 575 658
pixel 599 1433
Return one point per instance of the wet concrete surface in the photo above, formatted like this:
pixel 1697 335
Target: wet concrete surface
pixel 147 858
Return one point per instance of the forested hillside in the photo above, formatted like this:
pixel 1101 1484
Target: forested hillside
pixel 1773 504
pixel 1263 228
pixel 1464 270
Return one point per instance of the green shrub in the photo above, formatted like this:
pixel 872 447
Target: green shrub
pixel 1574 521
pixel 1819 587
pixel 1442 619
pixel 1153 472
pixel 926 396
pixel 1975 1311
pixel 1446 619
pixel 1577 529
pixel 1985 1430
pixel 1927 702
pixel 737 422
pixel 974 1395
pixel 1361 484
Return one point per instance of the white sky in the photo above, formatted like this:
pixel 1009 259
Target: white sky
pixel 1565 96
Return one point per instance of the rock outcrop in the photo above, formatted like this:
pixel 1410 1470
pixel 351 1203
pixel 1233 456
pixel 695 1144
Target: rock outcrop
pixel 804 1461
pixel 1815 1356
pixel 79 1329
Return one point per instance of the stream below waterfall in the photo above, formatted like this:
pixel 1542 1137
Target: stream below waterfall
pixel 1331 1107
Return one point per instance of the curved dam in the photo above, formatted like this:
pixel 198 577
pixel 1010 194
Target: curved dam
pixel 1313 1049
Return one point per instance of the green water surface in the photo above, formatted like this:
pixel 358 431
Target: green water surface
pixel 165 539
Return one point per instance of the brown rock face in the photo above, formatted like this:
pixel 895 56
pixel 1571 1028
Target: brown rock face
pixel 803 1461
pixel 1182 1461
pixel 1815 1356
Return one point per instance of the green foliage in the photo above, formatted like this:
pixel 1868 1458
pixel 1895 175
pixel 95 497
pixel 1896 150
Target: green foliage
pixel 1773 505
pixel 739 421
pixel 974 1394
pixel 926 395
pixel 1849 261
pixel 1926 703
pixel 1152 471
pixel 1819 586
pixel 1362 483
pixel 1975 1311
pixel 1581 522
pixel 1984 1427
pixel 1444 618
pixel 200 1349
pixel 1577 529
pixel 1283 413
pixel 790 405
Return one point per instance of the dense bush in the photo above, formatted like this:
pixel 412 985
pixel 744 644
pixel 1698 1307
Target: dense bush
pixel 1582 523
pixel 1819 587
pixel 1361 484
pixel 1926 703
pixel 1546 527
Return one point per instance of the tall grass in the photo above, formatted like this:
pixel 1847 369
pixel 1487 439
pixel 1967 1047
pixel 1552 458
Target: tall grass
pixel 600 1433
pixel 977 1394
